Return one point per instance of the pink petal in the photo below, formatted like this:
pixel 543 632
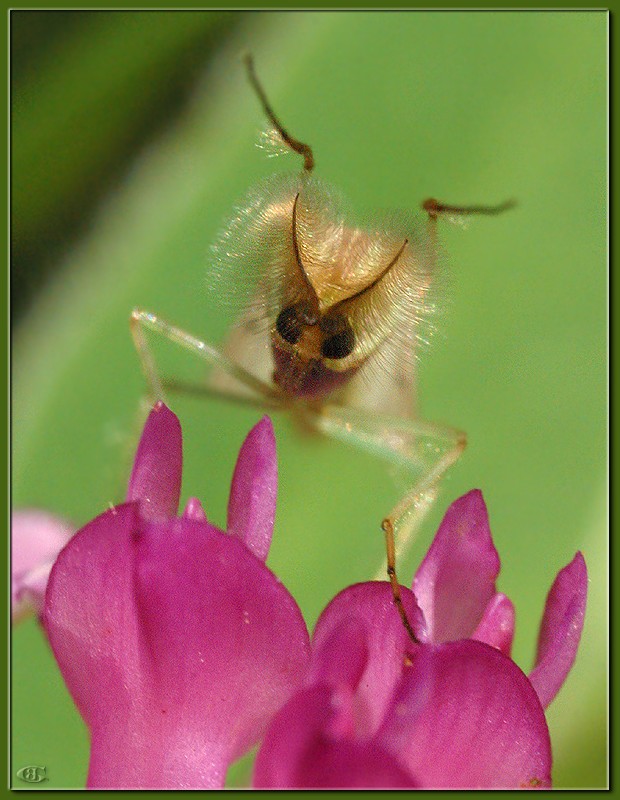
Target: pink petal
pixel 194 510
pixel 36 539
pixel 177 645
pixel 456 580
pixel 497 626
pixel 156 476
pixel 340 657
pixel 298 751
pixel 466 717
pixel 93 627
pixel 560 630
pixel 387 643
pixel 253 492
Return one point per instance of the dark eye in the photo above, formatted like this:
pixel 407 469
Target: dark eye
pixel 288 325
pixel 340 345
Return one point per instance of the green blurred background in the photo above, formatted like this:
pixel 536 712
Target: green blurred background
pixel 133 136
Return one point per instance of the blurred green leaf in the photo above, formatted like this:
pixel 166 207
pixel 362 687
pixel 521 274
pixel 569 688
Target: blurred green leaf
pixel 80 106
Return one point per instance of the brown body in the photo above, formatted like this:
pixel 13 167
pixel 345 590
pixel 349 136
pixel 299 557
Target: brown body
pixel 308 379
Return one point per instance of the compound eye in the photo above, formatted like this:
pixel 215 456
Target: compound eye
pixel 289 325
pixel 340 345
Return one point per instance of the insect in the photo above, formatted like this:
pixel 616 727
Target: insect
pixel 330 327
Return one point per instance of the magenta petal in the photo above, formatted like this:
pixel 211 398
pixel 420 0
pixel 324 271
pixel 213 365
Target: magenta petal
pixel 177 644
pixel 93 627
pixel 466 717
pixel 340 657
pixel 156 476
pixel 560 630
pixel 194 510
pixel 456 580
pixel 387 642
pixel 36 539
pixel 204 594
pixel 497 626
pixel 253 492
pixel 298 751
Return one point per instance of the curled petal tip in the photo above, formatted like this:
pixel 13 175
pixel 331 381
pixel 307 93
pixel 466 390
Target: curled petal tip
pixel 253 491
pixel 580 563
pixel 471 503
pixel 194 510
pixel 265 421
pixel 156 476
pixel 456 579
pixel 263 434
pixel 560 629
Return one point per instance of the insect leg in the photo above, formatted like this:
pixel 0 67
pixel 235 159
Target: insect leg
pixel 434 208
pixel 204 391
pixel 147 362
pixel 426 448
pixel 296 146
pixel 141 321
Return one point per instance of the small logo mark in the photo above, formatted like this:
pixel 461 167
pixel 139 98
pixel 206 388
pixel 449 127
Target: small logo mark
pixel 32 774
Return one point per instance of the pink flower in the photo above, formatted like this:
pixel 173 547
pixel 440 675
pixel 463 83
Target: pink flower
pixel 182 650
pixel 176 642
pixel 454 711
pixel 36 539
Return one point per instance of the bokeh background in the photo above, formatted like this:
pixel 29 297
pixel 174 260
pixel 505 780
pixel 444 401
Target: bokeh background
pixel 132 138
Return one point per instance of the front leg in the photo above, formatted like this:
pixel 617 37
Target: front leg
pixel 426 448
pixel 142 321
